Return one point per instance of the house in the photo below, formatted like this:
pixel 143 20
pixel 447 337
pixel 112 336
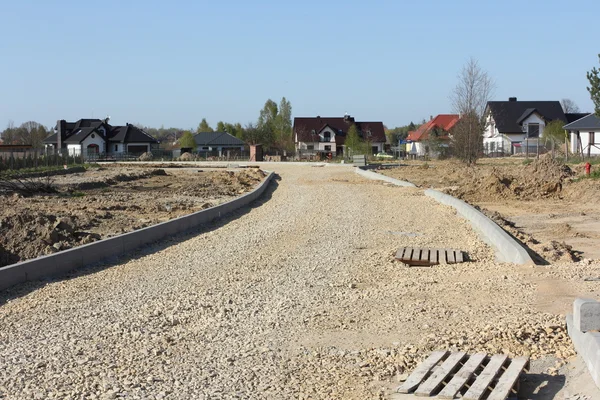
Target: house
pixel 218 143
pixel 418 142
pixel 92 137
pixel 510 123
pixel 324 135
pixel 585 135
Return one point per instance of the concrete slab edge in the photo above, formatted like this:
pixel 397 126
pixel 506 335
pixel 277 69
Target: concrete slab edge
pixel 587 346
pixel 77 257
pixel 506 248
pixel 364 172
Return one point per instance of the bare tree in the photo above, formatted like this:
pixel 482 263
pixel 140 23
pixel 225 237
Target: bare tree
pixel 469 99
pixel 569 106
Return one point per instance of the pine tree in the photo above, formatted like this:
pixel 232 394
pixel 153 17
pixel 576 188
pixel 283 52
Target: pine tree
pixel 594 88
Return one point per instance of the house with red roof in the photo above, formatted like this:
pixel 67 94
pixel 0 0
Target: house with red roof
pixel 325 135
pixel 439 127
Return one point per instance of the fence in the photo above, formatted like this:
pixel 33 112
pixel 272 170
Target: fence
pixel 36 159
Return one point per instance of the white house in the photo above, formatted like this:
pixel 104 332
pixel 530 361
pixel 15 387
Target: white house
pixel 327 135
pixel 94 137
pixel 585 135
pixel 510 123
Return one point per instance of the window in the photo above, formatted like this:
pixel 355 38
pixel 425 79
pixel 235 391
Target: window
pixel 592 138
pixel 328 148
pixel 492 146
pixel 533 130
pixel 310 147
pixel 93 135
pixel 116 147
pixel 327 136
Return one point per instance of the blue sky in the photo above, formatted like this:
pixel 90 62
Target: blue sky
pixel 173 63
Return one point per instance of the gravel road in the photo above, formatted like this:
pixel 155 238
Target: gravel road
pixel 298 297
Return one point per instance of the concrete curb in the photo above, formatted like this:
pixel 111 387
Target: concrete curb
pixel 378 177
pixel 64 261
pixel 506 248
pixel 587 346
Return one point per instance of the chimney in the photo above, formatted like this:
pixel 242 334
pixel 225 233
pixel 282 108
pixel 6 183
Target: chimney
pixel 512 99
pixel 61 128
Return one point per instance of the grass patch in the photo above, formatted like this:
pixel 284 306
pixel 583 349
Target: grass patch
pixel 527 162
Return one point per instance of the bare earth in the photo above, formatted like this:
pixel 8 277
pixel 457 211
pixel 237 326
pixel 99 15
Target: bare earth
pixel 108 201
pixel 298 297
pixel 543 204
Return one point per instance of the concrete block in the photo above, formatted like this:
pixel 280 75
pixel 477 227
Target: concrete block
pixel 587 346
pixel 586 315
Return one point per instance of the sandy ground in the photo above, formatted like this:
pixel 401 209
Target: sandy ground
pixel 108 201
pixel 541 204
pixel 296 297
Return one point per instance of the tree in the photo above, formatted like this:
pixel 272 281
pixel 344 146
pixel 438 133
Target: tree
pixel 554 133
pixel 283 124
pixel 9 134
pixel 254 134
pixel 187 141
pixel 569 106
pixel 353 142
pixel 204 126
pixel 267 116
pixel 594 88
pixel 221 126
pixel 469 99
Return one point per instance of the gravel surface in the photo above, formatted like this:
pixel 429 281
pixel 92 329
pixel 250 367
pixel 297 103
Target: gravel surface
pixel 298 297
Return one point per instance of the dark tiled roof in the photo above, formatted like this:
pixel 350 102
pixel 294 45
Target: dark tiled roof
pixel 80 135
pixel 51 139
pixel 591 121
pixel 507 113
pixel 217 139
pixel 307 129
pixel 75 132
pixel 572 117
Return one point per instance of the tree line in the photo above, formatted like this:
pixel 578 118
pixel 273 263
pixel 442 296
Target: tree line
pixel 272 129
pixel 28 133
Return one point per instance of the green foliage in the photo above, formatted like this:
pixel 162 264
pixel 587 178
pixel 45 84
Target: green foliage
pixel 554 132
pixel 254 134
pixel 527 162
pixel 187 140
pixel 594 88
pixel 394 135
pixel 204 126
pixel 353 142
pixel 221 126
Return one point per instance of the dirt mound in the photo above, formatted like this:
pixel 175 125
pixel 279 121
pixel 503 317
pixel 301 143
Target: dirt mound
pixel 543 178
pixel 29 235
pixel 187 157
pixel 146 157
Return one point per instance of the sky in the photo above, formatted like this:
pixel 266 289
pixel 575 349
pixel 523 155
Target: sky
pixel 170 64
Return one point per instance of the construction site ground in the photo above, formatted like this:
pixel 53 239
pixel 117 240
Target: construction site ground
pixel 109 200
pixel 296 297
pixel 544 203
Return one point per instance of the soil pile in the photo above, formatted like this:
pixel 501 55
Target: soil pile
pixel 543 178
pixel 186 157
pixel 146 157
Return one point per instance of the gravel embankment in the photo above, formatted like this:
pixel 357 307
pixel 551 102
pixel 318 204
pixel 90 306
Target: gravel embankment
pixel 299 297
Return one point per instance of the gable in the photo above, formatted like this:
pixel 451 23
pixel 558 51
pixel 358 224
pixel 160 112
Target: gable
pixel 507 114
